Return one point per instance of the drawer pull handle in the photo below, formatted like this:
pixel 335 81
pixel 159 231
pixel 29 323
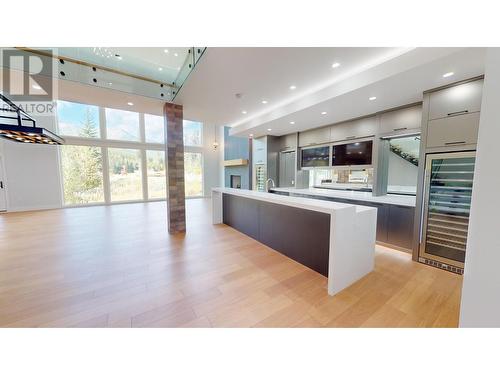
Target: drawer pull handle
pixel 350 137
pixel 458 112
pixel 400 129
pixel 455 143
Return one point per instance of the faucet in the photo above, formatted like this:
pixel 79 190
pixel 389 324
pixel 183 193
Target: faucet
pixel 267 184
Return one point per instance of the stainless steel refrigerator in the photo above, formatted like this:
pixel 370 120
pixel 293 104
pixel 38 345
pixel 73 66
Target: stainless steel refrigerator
pixel 447 200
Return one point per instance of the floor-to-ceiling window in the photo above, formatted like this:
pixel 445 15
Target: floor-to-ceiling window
pixel 114 155
pixel 82 174
pixel 193 158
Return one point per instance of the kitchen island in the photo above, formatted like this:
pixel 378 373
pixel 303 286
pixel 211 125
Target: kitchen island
pixel 334 239
pixel 395 213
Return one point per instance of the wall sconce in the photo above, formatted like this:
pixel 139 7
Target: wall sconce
pixel 215 144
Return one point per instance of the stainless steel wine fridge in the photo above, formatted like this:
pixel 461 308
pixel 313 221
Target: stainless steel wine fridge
pixel 447 199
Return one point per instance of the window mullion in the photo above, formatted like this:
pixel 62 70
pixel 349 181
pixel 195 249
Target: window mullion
pixel 144 170
pixel 105 171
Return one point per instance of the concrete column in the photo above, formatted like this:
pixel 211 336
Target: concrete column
pixel 174 147
pixel 480 305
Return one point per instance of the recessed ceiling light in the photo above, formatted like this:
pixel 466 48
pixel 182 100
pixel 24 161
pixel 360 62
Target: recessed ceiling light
pixel 176 54
pixel 160 68
pixel 244 112
pixel 323 113
pixel 165 50
pixel 372 98
pixel 293 87
pixel 449 74
pixel 36 87
pixel 130 103
pixel 264 102
pixel 269 130
pixel 110 83
pixel 335 65
pixel 292 122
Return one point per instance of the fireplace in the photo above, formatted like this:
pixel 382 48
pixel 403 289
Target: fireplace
pixel 236 181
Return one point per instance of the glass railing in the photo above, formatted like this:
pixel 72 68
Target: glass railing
pixel 156 72
pixel 403 165
pixel 193 56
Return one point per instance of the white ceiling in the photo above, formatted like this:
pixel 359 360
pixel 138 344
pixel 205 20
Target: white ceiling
pixel 396 76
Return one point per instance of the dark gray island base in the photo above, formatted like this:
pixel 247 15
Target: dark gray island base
pixel 288 230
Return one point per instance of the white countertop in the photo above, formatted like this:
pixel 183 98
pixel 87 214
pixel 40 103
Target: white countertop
pixel 299 202
pixel 401 200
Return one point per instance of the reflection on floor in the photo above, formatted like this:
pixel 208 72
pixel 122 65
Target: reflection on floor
pixel 116 266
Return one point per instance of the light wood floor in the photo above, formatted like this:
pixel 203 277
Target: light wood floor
pixel 117 267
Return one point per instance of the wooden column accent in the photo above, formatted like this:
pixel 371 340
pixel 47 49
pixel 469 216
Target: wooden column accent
pixel 174 150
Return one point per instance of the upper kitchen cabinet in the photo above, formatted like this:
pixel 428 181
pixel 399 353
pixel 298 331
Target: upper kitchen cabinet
pixel 314 137
pixel 456 100
pixel 288 142
pixel 364 127
pixel 453 131
pixel 454 115
pixel 405 120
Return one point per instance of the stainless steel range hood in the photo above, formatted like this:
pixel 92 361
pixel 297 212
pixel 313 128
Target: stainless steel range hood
pixel 16 125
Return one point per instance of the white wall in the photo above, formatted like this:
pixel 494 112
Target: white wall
pixel 211 162
pixel 32 176
pixel 480 305
pixel 401 172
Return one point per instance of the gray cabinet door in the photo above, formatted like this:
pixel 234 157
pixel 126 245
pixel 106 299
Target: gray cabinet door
pixel 287 169
pixel 382 215
pixel 314 137
pixel 453 131
pixel 364 127
pixel 464 98
pixel 401 120
pixel 259 150
pixel 400 226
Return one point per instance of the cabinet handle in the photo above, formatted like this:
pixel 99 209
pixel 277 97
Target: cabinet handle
pixel 1 184
pixel 455 143
pixel 350 137
pixel 400 129
pixel 458 112
pixel 312 143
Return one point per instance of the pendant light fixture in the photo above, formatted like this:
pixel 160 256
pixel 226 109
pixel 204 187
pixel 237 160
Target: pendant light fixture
pixel 16 125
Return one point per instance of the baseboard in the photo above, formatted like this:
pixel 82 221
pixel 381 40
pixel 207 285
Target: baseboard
pixel 32 208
